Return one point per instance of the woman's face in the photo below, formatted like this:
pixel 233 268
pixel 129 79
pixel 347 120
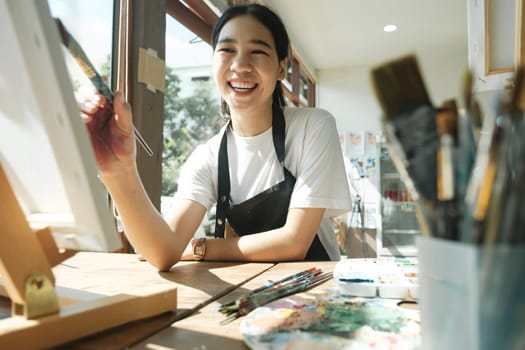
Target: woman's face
pixel 245 65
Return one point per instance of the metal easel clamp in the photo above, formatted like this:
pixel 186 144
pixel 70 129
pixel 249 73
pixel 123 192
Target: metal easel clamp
pixel 151 70
pixel 40 297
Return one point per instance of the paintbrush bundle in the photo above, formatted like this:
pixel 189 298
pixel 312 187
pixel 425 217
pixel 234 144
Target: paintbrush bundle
pixel 287 286
pixel 446 204
pixel 466 184
pixel 411 131
pixel 494 197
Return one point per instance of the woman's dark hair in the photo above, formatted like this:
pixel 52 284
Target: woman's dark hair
pixel 273 23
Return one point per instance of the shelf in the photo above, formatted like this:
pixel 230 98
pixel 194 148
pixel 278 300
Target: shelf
pixel 399 251
pixel 390 176
pixel 407 205
pixel 398 225
pixel 401 232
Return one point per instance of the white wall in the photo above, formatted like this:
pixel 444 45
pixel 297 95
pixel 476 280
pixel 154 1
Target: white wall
pixel 347 93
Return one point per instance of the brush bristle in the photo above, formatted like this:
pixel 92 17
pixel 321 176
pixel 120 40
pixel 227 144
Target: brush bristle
pixel 447 119
pixel 399 86
pixel 518 90
pixel 468 81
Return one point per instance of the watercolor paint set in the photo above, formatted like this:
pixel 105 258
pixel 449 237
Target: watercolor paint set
pixel 385 277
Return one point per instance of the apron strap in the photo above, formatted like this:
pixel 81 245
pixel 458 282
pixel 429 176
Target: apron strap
pixel 224 187
pixel 224 199
pixel 278 133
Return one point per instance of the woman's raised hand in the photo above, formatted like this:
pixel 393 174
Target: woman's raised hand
pixel 111 132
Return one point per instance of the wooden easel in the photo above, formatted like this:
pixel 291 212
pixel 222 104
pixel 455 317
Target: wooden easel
pixel 38 310
pixel 29 281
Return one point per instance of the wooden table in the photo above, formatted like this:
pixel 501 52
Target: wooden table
pixel 196 324
pixel 196 321
pixel 87 276
pixel 203 328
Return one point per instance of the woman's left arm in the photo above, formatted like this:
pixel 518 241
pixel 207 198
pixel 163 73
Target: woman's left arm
pixel 287 243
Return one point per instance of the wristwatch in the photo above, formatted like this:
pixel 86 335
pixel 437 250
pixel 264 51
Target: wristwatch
pixel 199 249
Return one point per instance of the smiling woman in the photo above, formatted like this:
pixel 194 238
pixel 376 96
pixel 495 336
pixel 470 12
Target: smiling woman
pixel 275 173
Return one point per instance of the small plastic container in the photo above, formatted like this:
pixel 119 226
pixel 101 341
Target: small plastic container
pixel 392 282
pixel 413 289
pixel 357 277
pixel 381 277
pixel 393 291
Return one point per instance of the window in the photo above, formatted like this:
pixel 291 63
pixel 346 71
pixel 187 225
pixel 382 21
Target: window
pixel 191 102
pixel 303 90
pixel 204 78
pixel 299 87
pixel 287 82
pixel 91 24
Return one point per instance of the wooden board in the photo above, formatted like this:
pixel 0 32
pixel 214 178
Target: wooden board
pixel 198 283
pixel 97 291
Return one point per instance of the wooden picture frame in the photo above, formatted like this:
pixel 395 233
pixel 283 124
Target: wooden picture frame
pixel 520 35
pixel 500 24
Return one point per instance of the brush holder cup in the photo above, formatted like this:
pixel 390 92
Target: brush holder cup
pixel 471 297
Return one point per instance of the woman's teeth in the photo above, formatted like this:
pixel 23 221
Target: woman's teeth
pixel 242 86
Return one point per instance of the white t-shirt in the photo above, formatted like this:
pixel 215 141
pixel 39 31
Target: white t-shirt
pixel 312 154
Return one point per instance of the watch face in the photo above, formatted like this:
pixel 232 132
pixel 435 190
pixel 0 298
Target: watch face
pixel 199 249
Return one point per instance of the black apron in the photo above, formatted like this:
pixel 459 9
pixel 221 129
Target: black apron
pixel 268 209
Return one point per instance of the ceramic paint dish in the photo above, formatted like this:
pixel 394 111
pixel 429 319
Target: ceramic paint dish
pixel 382 277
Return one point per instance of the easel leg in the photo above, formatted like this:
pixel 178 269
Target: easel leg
pixel 24 267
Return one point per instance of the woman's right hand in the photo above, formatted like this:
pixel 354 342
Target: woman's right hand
pixel 111 132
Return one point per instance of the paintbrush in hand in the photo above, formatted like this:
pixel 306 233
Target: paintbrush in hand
pixel 88 68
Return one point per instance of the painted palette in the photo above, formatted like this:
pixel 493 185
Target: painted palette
pixel 331 321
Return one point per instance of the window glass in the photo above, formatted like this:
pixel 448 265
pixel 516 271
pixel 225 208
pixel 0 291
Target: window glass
pixel 303 89
pixel 91 24
pixel 287 81
pixel 191 102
